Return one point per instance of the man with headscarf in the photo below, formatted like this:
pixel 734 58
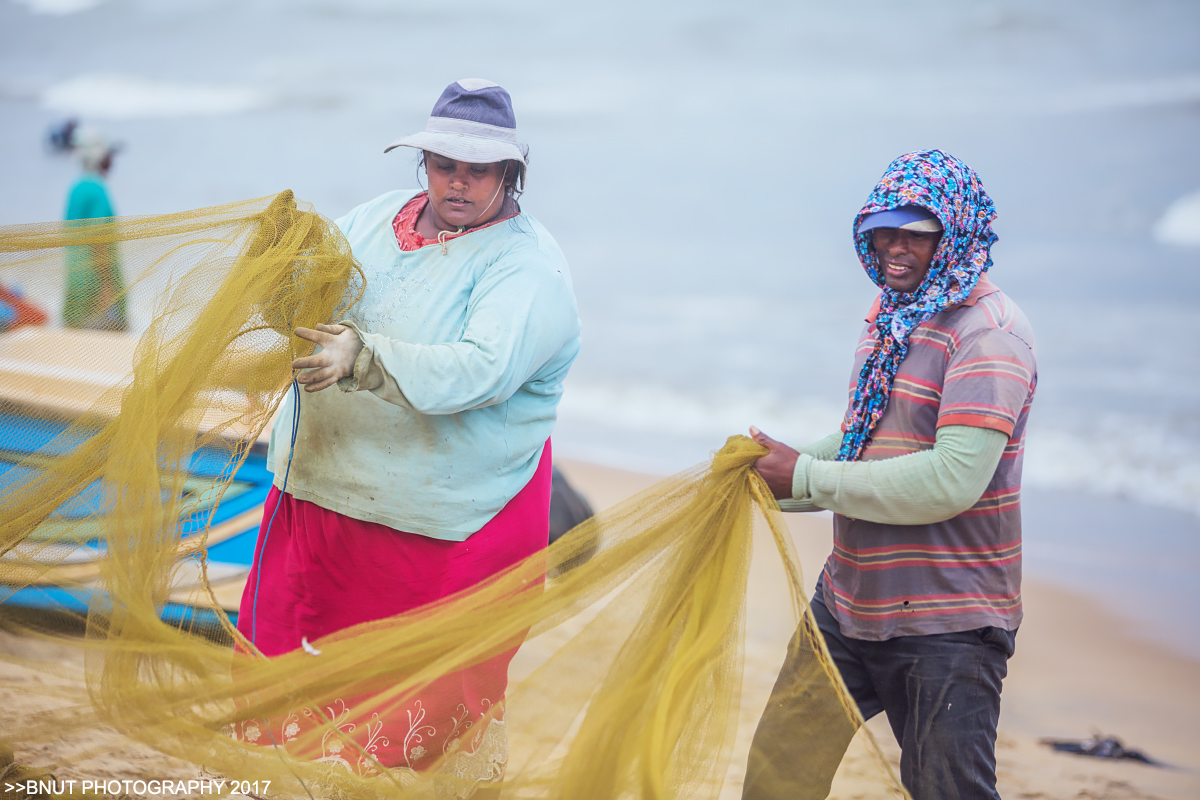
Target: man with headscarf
pixel 920 600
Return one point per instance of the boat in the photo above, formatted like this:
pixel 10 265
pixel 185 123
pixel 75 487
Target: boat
pixel 53 377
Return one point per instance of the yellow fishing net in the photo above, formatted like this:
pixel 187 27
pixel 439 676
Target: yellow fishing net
pixel 628 679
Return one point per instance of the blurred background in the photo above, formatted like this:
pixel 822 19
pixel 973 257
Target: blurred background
pixel 701 164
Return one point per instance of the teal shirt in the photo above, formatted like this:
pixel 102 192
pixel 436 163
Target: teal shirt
pixel 472 347
pixel 93 270
pixel 88 198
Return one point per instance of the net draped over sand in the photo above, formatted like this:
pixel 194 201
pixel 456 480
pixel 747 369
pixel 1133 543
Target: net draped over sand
pixel 629 679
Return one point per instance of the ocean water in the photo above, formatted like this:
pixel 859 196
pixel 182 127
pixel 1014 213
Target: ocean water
pixel 701 164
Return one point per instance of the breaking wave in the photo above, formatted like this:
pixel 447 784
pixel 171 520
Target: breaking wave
pixel 663 429
pixel 114 96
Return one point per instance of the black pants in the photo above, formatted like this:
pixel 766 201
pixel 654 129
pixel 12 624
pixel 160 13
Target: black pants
pixel 941 693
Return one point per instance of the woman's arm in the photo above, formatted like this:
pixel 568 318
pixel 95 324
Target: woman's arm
pixel 519 316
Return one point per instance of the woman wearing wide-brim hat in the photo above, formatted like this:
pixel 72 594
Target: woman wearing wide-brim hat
pixel 428 468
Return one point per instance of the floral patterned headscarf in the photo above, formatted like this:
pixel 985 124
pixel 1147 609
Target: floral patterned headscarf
pixel 951 190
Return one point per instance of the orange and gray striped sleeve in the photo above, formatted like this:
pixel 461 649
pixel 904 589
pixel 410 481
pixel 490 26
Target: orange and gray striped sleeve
pixel 989 380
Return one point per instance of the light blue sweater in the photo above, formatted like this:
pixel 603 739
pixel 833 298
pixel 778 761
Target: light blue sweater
pixel 468 352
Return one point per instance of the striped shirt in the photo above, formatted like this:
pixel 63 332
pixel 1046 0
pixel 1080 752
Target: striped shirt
pixel 974 364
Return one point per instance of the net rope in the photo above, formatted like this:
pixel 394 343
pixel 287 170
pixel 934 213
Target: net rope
pixel 629 631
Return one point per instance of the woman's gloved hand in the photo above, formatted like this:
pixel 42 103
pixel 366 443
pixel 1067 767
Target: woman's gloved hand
pixel 340 347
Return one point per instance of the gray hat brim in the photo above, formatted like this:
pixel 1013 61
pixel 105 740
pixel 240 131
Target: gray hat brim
pixel 461 147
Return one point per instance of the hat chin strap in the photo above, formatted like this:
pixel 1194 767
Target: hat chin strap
pixel 499 187
pixel 443 234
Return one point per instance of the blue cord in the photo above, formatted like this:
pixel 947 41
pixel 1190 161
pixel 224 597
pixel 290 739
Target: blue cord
pixel 270 522
pixel 263 549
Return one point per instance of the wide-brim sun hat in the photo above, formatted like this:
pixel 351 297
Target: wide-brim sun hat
pixel 473 121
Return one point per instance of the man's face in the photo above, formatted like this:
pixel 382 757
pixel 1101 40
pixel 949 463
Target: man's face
pixel 904 256
pixel 462 194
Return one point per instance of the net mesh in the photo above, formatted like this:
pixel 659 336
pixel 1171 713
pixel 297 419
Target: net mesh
pixel 628 632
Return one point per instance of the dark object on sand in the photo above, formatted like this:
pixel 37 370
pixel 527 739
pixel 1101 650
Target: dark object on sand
pixel 568 508
pixel 1099 747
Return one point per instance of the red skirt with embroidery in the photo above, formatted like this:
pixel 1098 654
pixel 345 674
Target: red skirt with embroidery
pixel 320 571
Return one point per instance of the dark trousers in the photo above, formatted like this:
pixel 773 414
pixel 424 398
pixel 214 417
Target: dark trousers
pixel 941 693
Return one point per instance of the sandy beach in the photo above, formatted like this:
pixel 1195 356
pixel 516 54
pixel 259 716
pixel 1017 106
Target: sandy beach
pixel 1077 671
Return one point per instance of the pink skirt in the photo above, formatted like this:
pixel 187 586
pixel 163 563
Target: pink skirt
pixel 319 572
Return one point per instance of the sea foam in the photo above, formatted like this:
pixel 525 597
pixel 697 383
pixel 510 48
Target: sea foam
pixel 1181 222
pixel 59 8
pixel 116 96
pixel 1111 455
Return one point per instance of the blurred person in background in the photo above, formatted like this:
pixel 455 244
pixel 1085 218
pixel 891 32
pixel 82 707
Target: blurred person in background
pixel 428 468
pixel 95 287
pixel 920 600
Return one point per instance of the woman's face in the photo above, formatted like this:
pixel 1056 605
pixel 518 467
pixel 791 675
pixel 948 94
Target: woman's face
pixel 461 194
